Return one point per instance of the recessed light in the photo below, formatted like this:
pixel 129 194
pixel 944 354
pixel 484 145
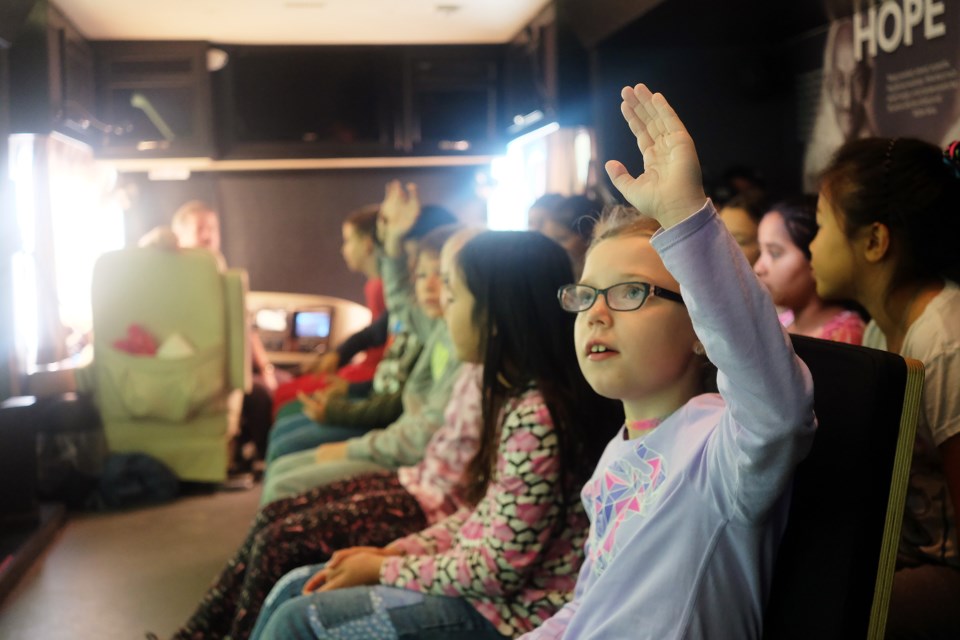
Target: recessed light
pixel 447 9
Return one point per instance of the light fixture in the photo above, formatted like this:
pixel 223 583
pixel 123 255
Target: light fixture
pixel 216 59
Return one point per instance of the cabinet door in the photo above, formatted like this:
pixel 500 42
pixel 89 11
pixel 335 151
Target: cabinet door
pixel 452 100
pixel 156 95
pixel 310 102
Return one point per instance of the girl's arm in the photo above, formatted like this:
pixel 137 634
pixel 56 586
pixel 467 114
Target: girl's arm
pixel 399 212
pixel 404 441
pixel 435 539
pixel 505 535
pixel 768 424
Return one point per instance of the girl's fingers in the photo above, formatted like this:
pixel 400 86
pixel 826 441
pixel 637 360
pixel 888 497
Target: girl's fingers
pixel 331 584
pixel 637 126
pixel 315 581
pixel 666 115
pixel 619 175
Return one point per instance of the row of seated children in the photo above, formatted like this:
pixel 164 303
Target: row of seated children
pixel 432 490
pixel 309 449
pixel 688 501
pixel 336 373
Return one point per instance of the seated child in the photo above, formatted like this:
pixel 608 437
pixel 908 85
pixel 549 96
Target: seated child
pixel 786 231
pixel 741 215
pixel 570 223
pixel 688 503
pixel 888 239
pixel 359 251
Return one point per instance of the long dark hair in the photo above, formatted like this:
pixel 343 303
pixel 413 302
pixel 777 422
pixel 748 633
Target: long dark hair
pixel 799 215
pixel 527 339
pixel 907 185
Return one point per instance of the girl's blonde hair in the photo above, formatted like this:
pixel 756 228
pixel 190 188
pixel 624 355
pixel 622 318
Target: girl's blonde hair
pixel 622 220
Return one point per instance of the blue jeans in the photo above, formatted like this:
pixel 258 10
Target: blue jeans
pixel 299 433
pixel 375 613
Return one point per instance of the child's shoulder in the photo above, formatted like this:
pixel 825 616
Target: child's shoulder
pixel 530 401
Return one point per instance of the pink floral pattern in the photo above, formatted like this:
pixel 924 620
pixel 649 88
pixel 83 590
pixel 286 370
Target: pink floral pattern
pixel 846 326
pixel 436 481
pixel 510 557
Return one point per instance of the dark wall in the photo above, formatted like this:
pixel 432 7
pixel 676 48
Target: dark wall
pixel 731 70
pixel 284 227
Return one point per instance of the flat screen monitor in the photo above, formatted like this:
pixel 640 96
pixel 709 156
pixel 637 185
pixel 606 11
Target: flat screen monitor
pixel 312 324
pixel 311 329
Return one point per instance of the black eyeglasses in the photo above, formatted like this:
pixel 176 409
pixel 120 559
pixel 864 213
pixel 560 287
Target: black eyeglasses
pixel 624 296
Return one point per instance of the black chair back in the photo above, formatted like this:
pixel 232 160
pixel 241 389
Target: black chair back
pixel 835 565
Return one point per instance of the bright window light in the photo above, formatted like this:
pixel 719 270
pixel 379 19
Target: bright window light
pixel 519 178
pixel 85 221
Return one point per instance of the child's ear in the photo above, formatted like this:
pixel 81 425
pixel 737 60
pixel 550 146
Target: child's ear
pixel 698 348
pixel 877 242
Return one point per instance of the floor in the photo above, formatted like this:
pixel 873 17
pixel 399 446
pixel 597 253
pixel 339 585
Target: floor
pixel 115 576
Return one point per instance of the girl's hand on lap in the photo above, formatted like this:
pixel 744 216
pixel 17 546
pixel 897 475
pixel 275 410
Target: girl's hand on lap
pixel 332 452
pixel 670 188
pixel 336 386
pixel 314 407
pixel 358 569
pixel 343 554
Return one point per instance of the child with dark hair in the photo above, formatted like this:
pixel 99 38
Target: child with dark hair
pixel 570 223
pixel 785 233
pixel 359 251
pixel 889 223
pixel 508 560
pixel 538 211
pixel 741 215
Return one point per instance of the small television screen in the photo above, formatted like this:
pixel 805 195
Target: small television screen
pixel 312 324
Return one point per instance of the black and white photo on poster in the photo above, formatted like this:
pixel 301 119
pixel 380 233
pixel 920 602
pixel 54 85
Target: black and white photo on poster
pixel 890 68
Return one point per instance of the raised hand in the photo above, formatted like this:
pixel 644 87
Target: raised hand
pixel 671 185
pixel 398 212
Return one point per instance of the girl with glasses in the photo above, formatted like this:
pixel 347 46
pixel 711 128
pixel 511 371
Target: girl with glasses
pixel 689 501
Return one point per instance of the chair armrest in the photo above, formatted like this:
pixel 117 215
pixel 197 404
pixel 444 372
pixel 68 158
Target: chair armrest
pixel 239 369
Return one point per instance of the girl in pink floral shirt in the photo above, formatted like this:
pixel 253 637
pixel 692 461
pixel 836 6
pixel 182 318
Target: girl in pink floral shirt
pixel 507 561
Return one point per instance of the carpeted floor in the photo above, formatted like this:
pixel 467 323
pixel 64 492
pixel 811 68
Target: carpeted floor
pixel 115 576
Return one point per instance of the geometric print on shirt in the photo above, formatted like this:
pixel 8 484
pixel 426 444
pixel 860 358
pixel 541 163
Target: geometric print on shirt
pixel 628 488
